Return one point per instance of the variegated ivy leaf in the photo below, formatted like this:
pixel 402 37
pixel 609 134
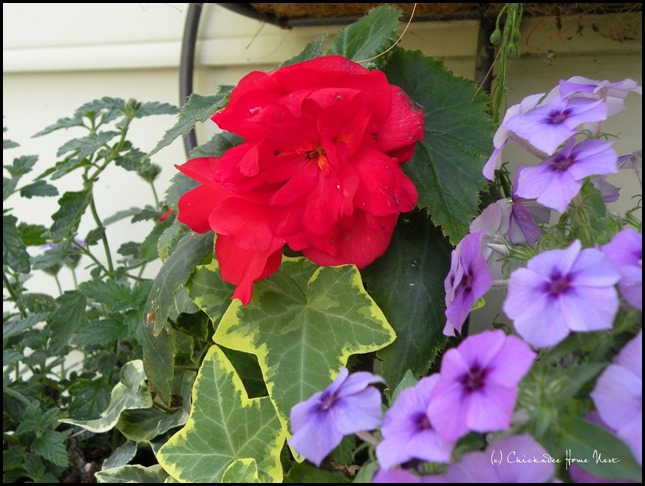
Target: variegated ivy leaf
pixel 132 474
pixel 303 324
pixel 241 471
pixel 130 393
pixel 224 428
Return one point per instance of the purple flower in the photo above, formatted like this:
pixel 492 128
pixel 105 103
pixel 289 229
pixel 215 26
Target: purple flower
pixel 612 94
pixel 493 223
pixel 557 180
pixel 477 386
pixel 515 459
pixel 632 161
pixel 526 214
pixel 609 192
pixel 551 124
pixel 468 279
pixel 408 432
pixel 404 476
pixel 347 406
pixel 618 395
pixel 503 134
pixel 561 291
pixel 625 251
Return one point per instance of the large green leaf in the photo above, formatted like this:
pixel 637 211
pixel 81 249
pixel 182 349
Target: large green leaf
pixel 447 164
pixel 66 219
pixel 198 108
pixel 599 451
pixel 368 37
pixel 132 474
pixel 241 471
pixel 407 284
pixel 14 251
pixel 68 318
pixel 207 289
pixel 159 360
pixel 312 50
pixel 224 426
pixel 131 392
pixel 115 295
pixel 303 324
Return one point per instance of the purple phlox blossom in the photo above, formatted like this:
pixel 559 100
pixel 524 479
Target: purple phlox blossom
pixel 503 134
pixel 558 179
pixel 549 125
pixel 561 291
pixel 612 94
pixel 609 192
pixel 526 215
pixel 399 476
pixel 477 386
pixel 625 251
pixel 618 395
pixel 468 279
pixel 347 406
pixel 579 475
pixel 514 459
pixel 633 161
pixel 493 223
pixel 407 430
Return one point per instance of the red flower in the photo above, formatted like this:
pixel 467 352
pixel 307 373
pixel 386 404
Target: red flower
pixel 319 169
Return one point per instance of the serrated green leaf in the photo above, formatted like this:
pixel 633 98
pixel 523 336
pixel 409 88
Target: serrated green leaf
pixel 35 302
pixel 8 186
pixel 145 424
pixel 447 165
pixel 289 323
pixel 13 458
pixel 241 471
pixel 101 333
pixel 32 234
pixel 198 108
pixel 66 122
pixel 89 398
pixel 94 236
pixel 156 108
pixel 121 456
pixel 585 440
pixel 14 251
pixel 51 445
pixel 68 317
pixel 174 273
pixel 216 146
pixel 207 289
pixel 130 393
pixel 9 144
pixel 146 214
pixel 312 50
pixel 159 358
pixel 38 189
pixel 301 473
pixel 53 256
pixel 9 356
pixel 13 327
pixel 179 185
pixel 224 426
pixel 368 37
pixel 168 240
pixel 84 146
pixel 66 219
pixel 118 216
pixel 148 248
pixel 132 160
pixel 132 474
pixel 115 295
pixel 408 286
pixel 21 166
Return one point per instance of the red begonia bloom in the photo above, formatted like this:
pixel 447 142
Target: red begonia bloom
pixel 319 169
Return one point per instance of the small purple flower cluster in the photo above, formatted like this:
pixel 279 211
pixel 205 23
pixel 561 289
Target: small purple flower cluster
pixel 575 288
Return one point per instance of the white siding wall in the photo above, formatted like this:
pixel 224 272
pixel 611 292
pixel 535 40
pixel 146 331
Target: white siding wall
pixel 58 56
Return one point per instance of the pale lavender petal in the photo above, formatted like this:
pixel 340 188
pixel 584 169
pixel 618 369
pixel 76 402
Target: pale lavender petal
pixel 524 448
pixel 493 163
pixel 533 181
pixel 593 157
pixel 631 286
pixel 490 408
pixel 338 381
pixel 555 261
pixel 510 365
pixel 316 438
pixel 632 434
pixel 479 350
pixel 609 192
pixel 302 412
pixel 618 396
pixel 356 382
pixel 525 293
pixel 631 356
pixel 395 476
pixel 360 411
pixel 589 308
pixel 522 227
pixel 447 410
pixel 475 467
pixel 625 248
pixel 543 326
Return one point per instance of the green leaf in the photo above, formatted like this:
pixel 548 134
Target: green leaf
pixel 368 37
pixel 119 215
pixel 21 166
pixel 156 108
pixel 408 381
pixel 148 248
pixel 241 471
pixel 224 426
pixel 408 286
pixel 197 109
pixel 301 473
pixel 132 474
pixel 179 185
pixel 9 144
pixel 94 236
pixel 14 251
pixel 66 219
pixel 13 327
pixel 89 398
pixel 168 240
pixel 159 358
pixel 131 392
pixel 115 295
pixel 146 424
pixel 38 189
pixel 173 274
pixel 32 234
pixel 13 458
pixel 594 445
pixel 85 146
pixel 121 455
pixel 66 319
pixel 132 160
pixel 207 289
pixel 216 146
pixel 303 324
pixel 51 445
pixel 447 165
pixel 9 356
pixel 146 214
pixel 101 333
pixel 52 257
pixel 8 186
pixel 312 50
